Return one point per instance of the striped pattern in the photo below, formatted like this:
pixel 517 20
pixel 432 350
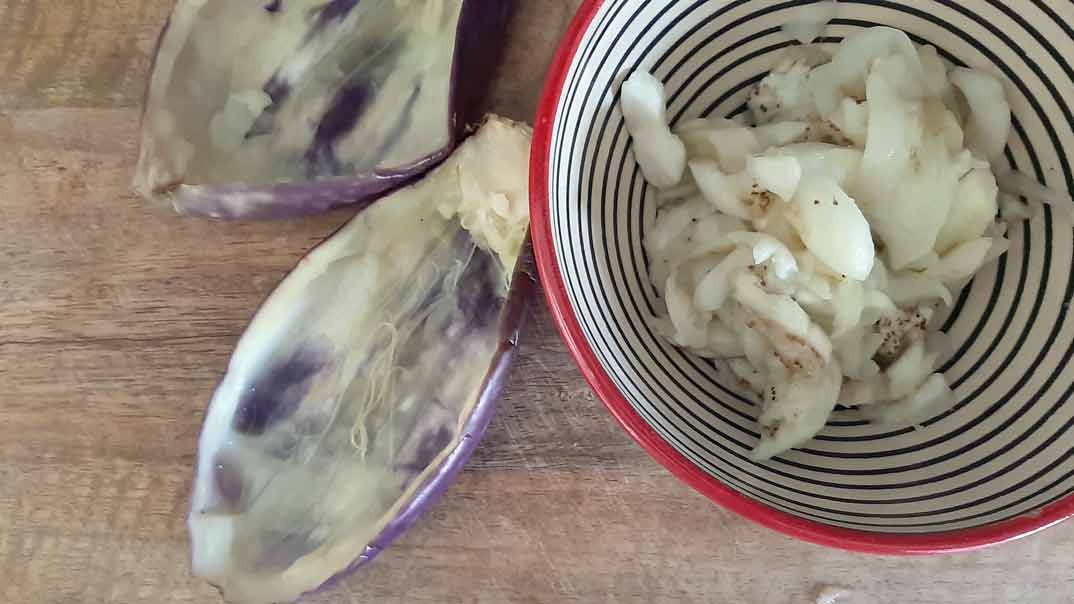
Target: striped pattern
pixel 1007 449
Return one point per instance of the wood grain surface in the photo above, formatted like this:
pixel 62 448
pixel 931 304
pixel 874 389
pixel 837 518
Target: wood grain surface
pixel 117 319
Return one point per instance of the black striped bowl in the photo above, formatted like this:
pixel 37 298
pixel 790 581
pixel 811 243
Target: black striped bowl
pixel 997 467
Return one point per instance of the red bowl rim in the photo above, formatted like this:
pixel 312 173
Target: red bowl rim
pixel 643 433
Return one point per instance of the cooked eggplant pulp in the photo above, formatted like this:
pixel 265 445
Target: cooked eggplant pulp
pixel 365 378
pixel 262 110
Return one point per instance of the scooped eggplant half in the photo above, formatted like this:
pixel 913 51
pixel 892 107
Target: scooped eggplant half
pixel 276 108
pixel 366 379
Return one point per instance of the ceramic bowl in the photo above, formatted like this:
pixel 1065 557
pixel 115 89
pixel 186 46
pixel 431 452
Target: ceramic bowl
pixel 1000 465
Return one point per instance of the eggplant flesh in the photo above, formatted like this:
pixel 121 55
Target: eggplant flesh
pixel 259 109
pixel 365 379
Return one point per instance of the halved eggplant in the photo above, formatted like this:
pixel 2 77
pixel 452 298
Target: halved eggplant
pixel 268 109
pixel 366 379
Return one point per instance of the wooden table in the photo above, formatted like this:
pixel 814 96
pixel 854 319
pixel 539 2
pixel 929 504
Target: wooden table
pixel 116 320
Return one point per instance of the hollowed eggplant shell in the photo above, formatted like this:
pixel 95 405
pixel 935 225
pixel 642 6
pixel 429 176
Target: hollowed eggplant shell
pixel 179 167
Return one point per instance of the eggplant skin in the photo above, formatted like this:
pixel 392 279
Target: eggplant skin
pixel 479 49
pixel 366 135
pixel 366 379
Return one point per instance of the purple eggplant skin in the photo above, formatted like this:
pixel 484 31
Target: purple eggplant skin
pixel 325 183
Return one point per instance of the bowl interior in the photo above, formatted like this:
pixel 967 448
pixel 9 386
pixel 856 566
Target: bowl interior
pixel 1006 451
